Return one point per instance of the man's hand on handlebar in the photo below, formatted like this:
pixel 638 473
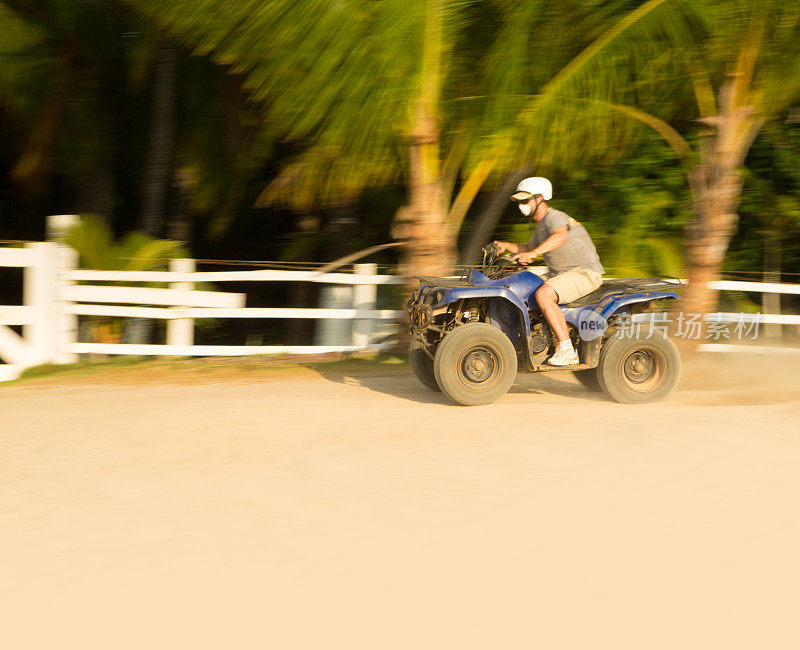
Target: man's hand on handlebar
pixel 524 258
pixel 503 247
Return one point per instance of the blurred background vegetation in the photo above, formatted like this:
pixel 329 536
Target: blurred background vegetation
pixel 298 131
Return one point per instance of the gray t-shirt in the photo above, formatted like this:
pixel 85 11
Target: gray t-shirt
pixel 577 251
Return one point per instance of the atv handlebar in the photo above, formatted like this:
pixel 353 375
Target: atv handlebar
pixel 490 253
pixel 494 264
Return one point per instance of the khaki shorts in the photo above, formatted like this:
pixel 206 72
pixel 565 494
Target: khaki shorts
pixel 574 283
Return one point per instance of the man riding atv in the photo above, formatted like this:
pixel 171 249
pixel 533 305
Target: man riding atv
pixel 471 335
pixel 573 266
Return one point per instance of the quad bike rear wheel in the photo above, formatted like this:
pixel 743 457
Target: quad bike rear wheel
pixel 475 364
pixel 422 365
pixel 638 370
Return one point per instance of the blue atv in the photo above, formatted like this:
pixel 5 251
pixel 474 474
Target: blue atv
pixel 470 335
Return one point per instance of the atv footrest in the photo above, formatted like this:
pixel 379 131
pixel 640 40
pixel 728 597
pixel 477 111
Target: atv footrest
pixel 546 367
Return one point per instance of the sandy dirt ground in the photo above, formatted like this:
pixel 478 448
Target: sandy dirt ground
pixel 335 509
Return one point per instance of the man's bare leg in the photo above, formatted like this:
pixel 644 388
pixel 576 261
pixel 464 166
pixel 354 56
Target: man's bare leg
pixel 565 354
pixel 547 298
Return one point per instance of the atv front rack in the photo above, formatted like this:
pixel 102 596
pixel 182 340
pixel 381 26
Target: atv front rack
pixel 445 282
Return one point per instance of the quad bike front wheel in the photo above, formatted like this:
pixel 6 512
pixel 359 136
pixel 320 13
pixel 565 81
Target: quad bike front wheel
pixel 422 365
pixel 638 370
pixel 475 364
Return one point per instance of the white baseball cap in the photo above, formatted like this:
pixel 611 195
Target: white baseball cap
pixel 533 185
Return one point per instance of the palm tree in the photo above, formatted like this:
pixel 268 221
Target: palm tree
pixel 735 60
pixel 60 66
pixel 347 83
pixel 158 172
pixel 374 93
pixel 760 82
pixel 355 83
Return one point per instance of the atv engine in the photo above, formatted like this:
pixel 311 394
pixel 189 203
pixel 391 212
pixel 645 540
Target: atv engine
pixel 540 342
pixel 543 342
pixel 540 338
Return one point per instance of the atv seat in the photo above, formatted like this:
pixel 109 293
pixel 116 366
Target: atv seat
pixel 630 285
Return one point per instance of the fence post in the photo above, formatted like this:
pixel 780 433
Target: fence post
pixel 40 292
pixel 334 331
pixel 364 297
pixel 67 325
pixel 180 331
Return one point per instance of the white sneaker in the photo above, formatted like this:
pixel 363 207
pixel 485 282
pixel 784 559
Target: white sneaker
pixel 564 356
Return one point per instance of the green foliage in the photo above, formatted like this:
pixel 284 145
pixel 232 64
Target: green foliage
pixel 83 367
pixel 573 80
pixel 770 203
pixel 75 81
pixel 575 89
pixel 57 62
pixel 338 76
pixel 351 99
pixel 772 177
pixel 635 210
pixel 22 64
pixel 98 249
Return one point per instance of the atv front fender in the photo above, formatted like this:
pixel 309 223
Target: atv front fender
pixel 500 293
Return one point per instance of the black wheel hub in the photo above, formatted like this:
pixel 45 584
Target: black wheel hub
pixel 639 366
pixel 478 365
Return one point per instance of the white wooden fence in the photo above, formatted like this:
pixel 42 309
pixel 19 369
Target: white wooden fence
pixel 53 300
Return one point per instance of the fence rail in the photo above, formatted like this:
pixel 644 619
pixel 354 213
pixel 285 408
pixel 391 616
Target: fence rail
pixel 755 287
pixel 54 300
pixel 221 312
pixel 212 350
pixel 234 276
pixel 777 319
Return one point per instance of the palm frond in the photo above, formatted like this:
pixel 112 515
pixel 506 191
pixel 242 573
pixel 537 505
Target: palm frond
pixel 94 241
pixel 154 254
pixel 25 59
pixel 611 70
pixel 340 78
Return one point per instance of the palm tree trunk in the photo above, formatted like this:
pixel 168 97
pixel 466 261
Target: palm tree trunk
pixel 158 174
pixel 716 189
pixel 34 166
pixel 162 128
pixel 423 222
pixel 179 223
pixel 708 236
pixel 431 250
pixel 97 190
